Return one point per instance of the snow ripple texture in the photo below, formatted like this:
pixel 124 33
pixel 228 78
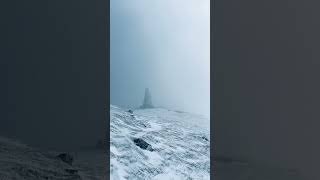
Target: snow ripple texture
pixel 181 148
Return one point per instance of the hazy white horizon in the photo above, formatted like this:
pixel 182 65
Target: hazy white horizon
pixel 163 45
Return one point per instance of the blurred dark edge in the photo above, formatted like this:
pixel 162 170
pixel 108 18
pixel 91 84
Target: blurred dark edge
pixel 108 85
pixel 212 60
pixel 54 80
pixel 266 82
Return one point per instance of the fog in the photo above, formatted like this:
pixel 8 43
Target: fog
pixel 163 45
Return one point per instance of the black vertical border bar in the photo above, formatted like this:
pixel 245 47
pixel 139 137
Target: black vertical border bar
pixel 108 85
pixel 103 52
pixel 212 105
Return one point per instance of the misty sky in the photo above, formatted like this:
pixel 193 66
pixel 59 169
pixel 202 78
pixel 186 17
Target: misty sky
pixel 163 45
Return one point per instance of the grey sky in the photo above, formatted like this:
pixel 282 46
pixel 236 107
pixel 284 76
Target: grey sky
pixel 163 45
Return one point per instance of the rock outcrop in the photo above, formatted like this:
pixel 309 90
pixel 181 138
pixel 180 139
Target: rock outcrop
pixel 143 144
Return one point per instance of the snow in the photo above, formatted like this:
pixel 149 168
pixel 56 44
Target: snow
pixel 169 175
pixel 181 151
pixel 181 145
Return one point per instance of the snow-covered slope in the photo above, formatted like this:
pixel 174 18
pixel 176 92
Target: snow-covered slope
pixel 179 148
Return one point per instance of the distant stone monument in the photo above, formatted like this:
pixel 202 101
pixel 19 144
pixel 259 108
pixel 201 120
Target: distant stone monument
pixel 147 103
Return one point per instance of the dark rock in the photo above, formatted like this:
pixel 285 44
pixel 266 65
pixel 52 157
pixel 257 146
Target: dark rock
pixel 65 157
pixel 130 111
pixel 142 144
pixel 205 138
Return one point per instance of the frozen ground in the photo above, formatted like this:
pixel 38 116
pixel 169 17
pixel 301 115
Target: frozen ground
pixel 180 149
pixel 180 146
pixel 21 162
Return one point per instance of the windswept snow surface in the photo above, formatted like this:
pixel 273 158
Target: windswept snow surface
pixel 181 147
